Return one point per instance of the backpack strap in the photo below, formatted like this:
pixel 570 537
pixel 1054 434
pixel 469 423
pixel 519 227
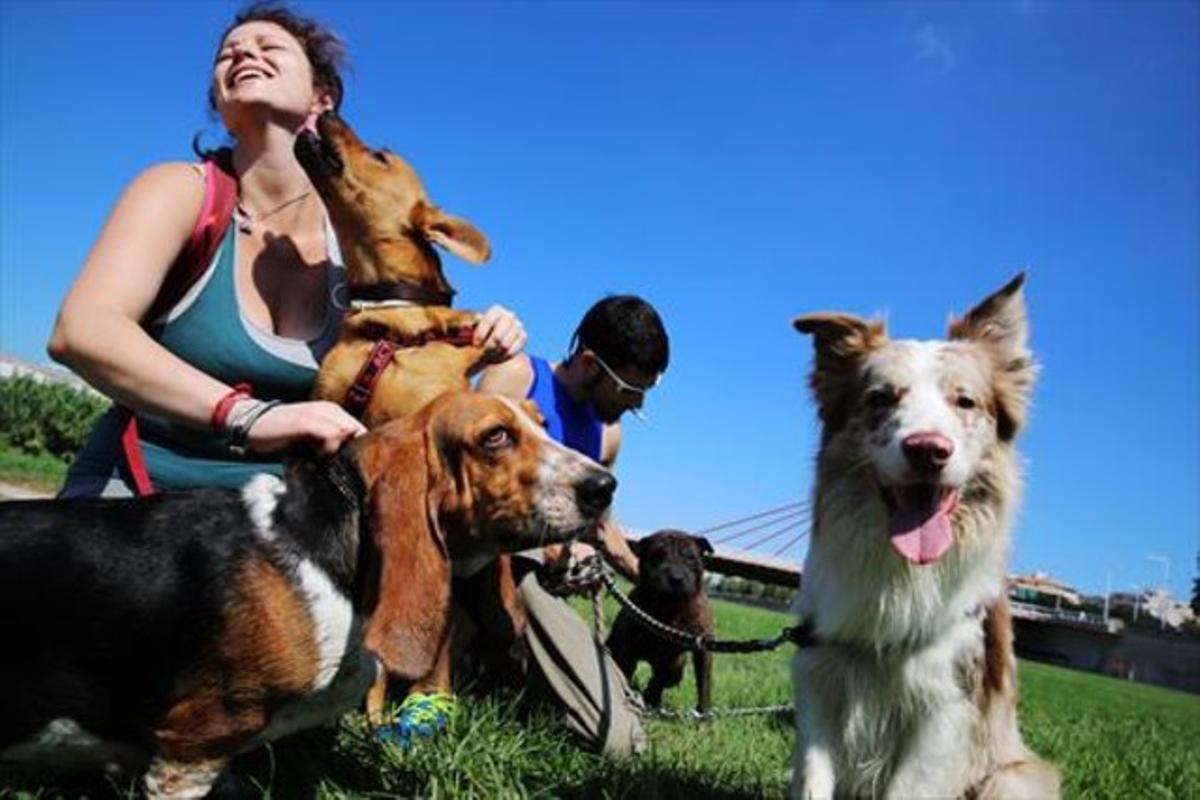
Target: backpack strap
pixel 220 197
pixel 216 211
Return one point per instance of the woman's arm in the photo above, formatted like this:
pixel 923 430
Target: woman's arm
pixel 98 332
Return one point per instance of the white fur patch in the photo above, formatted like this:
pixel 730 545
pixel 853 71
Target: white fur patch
pixel 333 621
pixel 921 369
pixel 261 495
pixel 354 676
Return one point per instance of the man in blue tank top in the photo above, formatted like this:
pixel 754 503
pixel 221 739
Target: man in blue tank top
pixel 618 353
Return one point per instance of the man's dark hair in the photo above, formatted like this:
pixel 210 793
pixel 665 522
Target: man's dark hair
pixel 625 331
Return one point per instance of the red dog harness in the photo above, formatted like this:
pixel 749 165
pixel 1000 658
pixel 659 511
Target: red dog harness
pixel 359 394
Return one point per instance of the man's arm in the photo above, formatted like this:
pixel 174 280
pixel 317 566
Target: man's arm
pixel 616 548
pixel 511 378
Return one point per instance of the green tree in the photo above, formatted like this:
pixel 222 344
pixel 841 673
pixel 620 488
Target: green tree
pixel 46 418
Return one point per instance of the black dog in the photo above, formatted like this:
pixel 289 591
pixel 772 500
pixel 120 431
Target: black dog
pixel 671 589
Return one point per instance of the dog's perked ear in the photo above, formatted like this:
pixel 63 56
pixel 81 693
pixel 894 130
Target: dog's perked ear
pixel 841 341
pixel 705 546
pixel 452 233
pixel 411 613
pixel 1000 324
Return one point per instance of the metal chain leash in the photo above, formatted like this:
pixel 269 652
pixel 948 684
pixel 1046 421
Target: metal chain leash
pixel 584 576
pixel 571 575
pixel 800 635
pixel 672 715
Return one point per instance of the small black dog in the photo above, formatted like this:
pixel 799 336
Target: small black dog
pixel 671 589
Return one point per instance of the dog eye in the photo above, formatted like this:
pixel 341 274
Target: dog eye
pixel 497 438
pixel 965 402
pixel 881 399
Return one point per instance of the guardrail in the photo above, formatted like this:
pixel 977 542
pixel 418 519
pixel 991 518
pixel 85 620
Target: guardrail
pixel 1031 611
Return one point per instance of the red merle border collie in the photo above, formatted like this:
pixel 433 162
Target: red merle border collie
pixel 910 689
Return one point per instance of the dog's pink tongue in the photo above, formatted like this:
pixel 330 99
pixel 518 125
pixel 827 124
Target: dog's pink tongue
pixel 920 526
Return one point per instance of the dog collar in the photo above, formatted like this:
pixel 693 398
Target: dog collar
pixel 400 290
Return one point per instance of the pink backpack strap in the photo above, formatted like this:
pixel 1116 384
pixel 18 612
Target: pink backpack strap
pixel 216 211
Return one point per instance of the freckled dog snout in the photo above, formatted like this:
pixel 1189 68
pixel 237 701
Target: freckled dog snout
pixel 929 452
pixel 594 493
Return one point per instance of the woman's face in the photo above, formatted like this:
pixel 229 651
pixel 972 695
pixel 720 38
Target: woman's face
pixel 262 66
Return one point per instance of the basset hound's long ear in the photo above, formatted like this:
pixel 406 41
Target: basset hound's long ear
pixel 841 341
pixel 411 614
pixel 453 233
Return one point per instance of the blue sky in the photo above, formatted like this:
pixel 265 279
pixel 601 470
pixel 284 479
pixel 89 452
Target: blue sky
pixel 737 164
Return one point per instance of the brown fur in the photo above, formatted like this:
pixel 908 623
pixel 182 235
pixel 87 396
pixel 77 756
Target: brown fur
pixel 264 656
pixel 683 607
pixel 410 620
pixel 387 227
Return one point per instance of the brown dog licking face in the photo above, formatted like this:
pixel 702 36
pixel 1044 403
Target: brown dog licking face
pixel 385 221
pixel 395 291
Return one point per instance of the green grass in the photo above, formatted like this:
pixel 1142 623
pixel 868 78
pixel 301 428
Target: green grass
pixel 42 472
pixel 1112 739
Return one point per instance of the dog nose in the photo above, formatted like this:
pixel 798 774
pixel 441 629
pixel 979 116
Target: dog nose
pixel 928 452
pixel 594 493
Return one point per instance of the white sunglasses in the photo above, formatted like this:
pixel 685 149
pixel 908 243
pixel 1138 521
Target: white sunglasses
pixel 625 387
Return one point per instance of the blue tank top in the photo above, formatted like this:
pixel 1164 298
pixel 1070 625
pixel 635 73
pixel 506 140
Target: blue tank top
pixel 208 330
pixel 567 421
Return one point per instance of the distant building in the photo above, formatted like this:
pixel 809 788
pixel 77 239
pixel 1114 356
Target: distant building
pixel 1172 613
pixel 11 367
pixel 1154 604
pixel 1041 589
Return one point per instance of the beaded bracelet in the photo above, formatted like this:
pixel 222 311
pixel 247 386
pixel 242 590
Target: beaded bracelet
pixel 243 420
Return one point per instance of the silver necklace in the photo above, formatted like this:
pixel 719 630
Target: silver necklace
pixel 246 222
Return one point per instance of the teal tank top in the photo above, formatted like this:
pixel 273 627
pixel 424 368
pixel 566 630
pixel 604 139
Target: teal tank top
pixel 209 330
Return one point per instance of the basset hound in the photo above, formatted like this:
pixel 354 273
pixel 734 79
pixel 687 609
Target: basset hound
pixel 169 633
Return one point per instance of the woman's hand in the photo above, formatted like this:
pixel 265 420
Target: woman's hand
pixel 500 333
pixel 320 423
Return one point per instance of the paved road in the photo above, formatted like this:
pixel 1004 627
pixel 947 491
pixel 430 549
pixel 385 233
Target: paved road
pixel 9 491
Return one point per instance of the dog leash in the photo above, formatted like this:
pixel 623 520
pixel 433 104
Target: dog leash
pixel 696 715
pixel 800 635
pixel 584 576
